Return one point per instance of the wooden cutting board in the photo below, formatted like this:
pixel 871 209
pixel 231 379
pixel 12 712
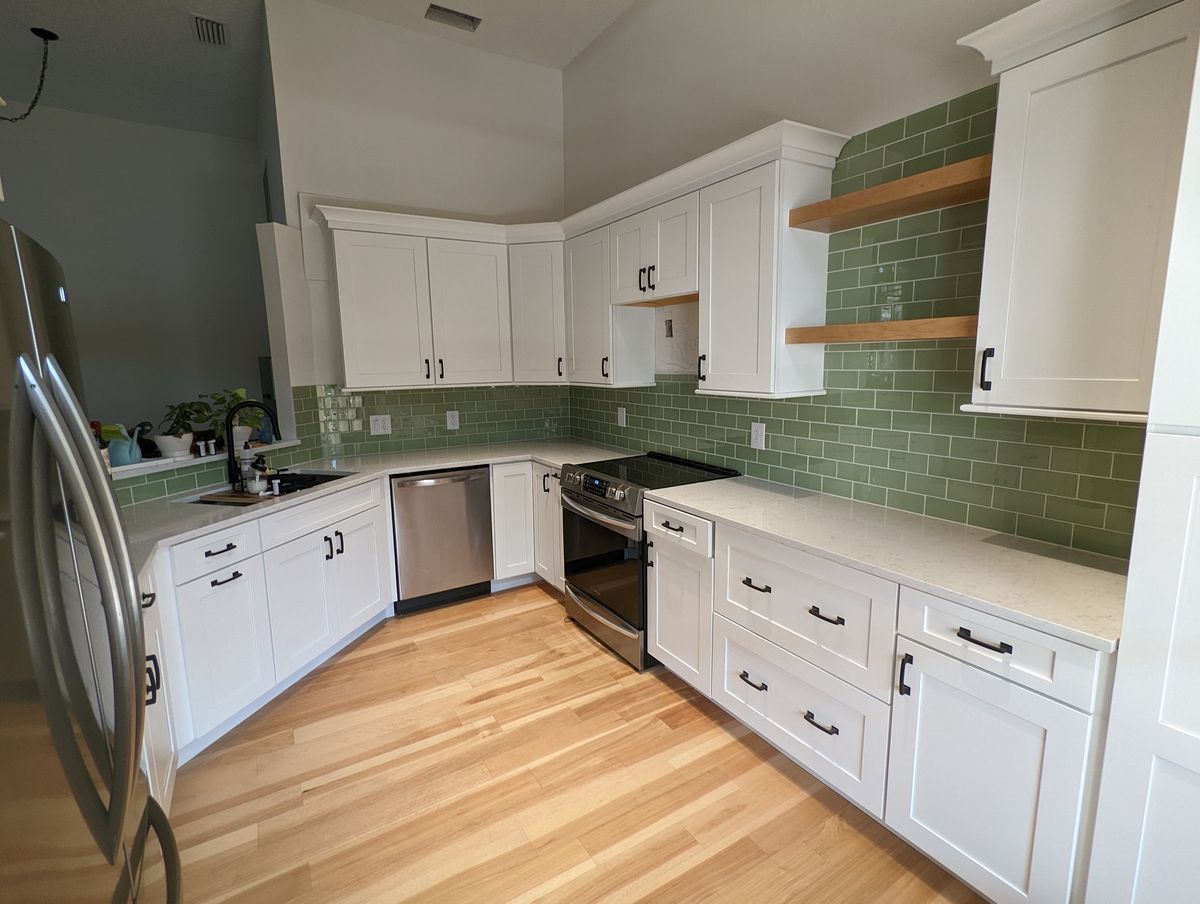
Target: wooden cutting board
pixel 229 498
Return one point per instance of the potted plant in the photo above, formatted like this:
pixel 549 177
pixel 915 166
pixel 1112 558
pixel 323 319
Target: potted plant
pixel 176 438
pixel 249 419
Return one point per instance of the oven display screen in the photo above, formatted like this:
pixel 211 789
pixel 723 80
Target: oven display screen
pixel 595 485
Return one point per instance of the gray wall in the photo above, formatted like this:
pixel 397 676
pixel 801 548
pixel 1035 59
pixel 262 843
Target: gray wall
pixel 155 229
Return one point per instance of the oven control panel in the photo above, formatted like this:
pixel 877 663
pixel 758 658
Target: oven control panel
pixel 595 485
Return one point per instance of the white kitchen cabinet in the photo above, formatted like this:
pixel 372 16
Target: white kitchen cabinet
pixel 758 277
pixel 679 597
pixel 383 303
pixel 986 777
pixel 225 629
pixel 630 253
pixel 472 323
pixel 1085 173
pixel 539 332
pixel 512 519
pixel 159 748
pixel 655 253
pixel 299 594
pixel 361 569
pixel 547 525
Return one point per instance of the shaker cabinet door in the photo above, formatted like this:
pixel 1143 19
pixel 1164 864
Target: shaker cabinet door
pixel 679 594
pixel 472 329
pixel 538 313
pixel 589 312
pixel 298 592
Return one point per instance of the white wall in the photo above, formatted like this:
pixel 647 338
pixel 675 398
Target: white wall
pixel 673 79
pixel 377 113
pixel 155 230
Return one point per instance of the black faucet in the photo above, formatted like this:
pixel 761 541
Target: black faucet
pixel 235 473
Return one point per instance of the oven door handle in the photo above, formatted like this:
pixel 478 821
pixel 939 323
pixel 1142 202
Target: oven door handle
pixel 624 528
pixel 597 613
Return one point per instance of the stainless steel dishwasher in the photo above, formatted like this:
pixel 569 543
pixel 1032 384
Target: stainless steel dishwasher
pixel 443 536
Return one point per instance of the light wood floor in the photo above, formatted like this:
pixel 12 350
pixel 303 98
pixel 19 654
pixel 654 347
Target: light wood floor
pixel 492 752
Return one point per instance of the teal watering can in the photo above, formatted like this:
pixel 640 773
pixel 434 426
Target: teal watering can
pixel 124 449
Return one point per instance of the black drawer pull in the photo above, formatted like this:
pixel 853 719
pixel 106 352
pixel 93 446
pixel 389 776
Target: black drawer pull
pixel 745 676
pixel 546 482
pixel 604 367
pixel 229 580
pixel 812 720
pixel 560 373
pixel 765 588
pixel 642 279
pixel 329 551
pixel 229 547
pixel 1002 647
pixel 341 538
pixel 650 277
pixel 700 367
pixel 668 526
pixel 441 369
pixel 904 690
pixel 428 375
pixel 984 383
pixel 153 679
pixel 815 611
pixel 149 599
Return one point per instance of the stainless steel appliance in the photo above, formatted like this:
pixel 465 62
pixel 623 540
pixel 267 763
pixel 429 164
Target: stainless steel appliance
pixel 443 536
pixel 75 813
pixel 604 547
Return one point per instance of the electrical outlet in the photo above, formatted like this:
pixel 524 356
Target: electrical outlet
pixel 670 328
pixel 620 417
pixel 381 424
pixel 758 435
pixel 451 420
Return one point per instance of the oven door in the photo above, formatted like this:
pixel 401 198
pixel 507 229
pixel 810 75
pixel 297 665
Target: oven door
pixel 604 557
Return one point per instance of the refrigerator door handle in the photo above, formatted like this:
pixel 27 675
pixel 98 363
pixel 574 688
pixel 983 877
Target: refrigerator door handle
pixel 38 434
pixel 161 826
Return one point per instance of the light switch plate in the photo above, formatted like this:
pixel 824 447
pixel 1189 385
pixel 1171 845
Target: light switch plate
pixel 758 435
pixel 381 424
pixel 620 417
pixel 451 420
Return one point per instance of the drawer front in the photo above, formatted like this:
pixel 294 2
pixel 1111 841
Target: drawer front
pixel 319 513
pixel 781 696
pixel 1058 668
pixel 215 551
pixel 839 618
pixel 679 528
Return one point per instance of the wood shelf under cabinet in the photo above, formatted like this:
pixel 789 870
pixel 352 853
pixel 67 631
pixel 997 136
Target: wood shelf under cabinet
pixel 688 298
pixel 886 330
pixel 958 183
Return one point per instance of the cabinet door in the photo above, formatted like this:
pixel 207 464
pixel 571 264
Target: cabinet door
pixel 158 741
pixel 383 301
pixel 472 326
pixel 679 596
pixel 512 519
pixel 538 313
pixel 631 244
pixel 224 621
pixel 1086 166
pixel 360 573
pixel 672 232
pixel 737 281
pixel 547 527
pixel 298 596
pixel 589 320
pixel 986 777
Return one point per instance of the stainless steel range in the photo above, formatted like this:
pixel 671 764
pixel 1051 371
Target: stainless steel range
pixel 604 547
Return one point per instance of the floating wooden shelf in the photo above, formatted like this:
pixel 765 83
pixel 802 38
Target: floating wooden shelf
pixel 957 183
pixel 689 298
pixel 886 330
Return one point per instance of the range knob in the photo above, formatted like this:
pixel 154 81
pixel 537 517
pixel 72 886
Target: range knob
pixel 618 495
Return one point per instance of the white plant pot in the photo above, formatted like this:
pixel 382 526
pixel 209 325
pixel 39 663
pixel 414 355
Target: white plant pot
pixel 174 446
pixel 241 436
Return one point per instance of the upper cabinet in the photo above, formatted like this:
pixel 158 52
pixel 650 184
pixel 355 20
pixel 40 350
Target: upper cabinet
pixel 655 253
pixel 472 332
pixel 539 333
pixel 1088 147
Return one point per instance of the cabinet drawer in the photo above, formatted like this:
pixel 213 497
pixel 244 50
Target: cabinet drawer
pixel 215 551
pixel 319 513
pixel 833 730
pixel 1058 668
pixel 679 528
pixel 839 618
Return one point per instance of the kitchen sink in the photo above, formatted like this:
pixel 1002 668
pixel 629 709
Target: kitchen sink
pixel 289 482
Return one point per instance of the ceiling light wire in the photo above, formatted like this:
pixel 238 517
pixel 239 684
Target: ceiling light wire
pixel 47 37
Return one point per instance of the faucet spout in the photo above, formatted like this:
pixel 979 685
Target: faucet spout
pixel 235 473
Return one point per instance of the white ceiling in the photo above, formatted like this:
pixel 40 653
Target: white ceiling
pixel 138 60
pixel 548 32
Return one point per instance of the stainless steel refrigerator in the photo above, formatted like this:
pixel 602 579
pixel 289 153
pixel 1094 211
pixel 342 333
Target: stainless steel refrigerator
pixel 76 820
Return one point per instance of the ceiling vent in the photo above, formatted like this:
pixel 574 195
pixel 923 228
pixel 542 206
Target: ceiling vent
pixel 452 17
pixel 209 31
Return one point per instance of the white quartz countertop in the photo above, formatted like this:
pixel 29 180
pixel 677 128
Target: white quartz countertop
pixel 174 519
pixel 1073 595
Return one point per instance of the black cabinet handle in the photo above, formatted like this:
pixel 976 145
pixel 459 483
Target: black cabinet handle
pixel 649 564
pixel 441 369
pixel 341 538
pixel 650 277
pixel 229 580
pixel 604 368
pixel 428 375
pixel 642 280
pixel 649 544
pixel 812 720
pixel 1002 647
pixel 546 482
pixel 816 612
pixel 329 552
pixel 153 679
pixel 148 600
pixel 765 588
pixel 904 690
pixel 745 676
pixel 700 367
pixel 229 547
pixel 560 362
pixel 984 382
pixel 667 525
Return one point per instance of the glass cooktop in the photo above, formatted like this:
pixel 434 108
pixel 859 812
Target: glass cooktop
pixel 654 470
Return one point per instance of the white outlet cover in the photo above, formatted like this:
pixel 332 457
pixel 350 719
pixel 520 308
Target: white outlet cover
pixel 758 435
pixel 381 424
pixel 451 420
pixel 620 417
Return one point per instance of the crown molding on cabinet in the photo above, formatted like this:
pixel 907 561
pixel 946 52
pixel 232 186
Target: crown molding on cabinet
pixel 360 220
pixel 1050 25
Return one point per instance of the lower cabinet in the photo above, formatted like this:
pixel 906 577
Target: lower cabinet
pixel 547 526
pixel 986 777
pixel 159 756
pixel 225 629
pixel 361 573
pixel 679 601
pixel 512 519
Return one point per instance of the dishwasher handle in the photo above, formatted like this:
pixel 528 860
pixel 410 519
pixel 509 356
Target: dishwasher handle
pixel 437 480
